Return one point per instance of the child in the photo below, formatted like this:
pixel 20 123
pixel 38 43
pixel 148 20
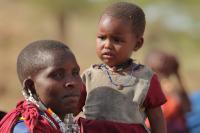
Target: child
pixel 178 104
pixel 120 93
pixel 49 74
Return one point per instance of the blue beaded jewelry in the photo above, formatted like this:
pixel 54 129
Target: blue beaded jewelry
pixel 119 86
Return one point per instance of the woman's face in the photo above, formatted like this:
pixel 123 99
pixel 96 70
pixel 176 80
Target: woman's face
pixel 58 84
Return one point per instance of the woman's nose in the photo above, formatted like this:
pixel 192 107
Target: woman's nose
pixel 69 84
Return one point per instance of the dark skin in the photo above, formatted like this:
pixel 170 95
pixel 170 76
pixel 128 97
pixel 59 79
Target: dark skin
pixel 58 84
pixel 115 43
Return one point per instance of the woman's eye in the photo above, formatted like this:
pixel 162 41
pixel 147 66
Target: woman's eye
pixel 58 75
pixel 75 72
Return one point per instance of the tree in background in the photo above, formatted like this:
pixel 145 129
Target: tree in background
pixel 61 9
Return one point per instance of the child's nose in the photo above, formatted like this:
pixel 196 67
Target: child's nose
pixel 107 44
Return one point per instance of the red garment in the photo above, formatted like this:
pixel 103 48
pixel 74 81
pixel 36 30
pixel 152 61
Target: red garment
pixel 175 118
pixel 100 126
pixel 155 97
pixel 32 119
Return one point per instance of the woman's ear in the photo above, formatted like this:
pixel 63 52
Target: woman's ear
pixel 28 86
pixel 139 43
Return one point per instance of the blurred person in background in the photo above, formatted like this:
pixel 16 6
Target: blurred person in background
pixel 167 68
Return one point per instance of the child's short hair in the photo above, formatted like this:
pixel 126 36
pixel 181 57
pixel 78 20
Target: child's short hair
pixel 33 57
pixel 129 12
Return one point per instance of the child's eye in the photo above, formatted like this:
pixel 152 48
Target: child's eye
pixel 101 37
pixel 116 40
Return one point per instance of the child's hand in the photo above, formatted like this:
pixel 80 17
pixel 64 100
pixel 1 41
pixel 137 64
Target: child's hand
pixel 78 116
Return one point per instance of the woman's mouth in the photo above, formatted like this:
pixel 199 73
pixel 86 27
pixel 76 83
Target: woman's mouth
pixel 72 99
pixel 72 95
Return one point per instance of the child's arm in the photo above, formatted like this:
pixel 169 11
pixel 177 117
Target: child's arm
pixel 156 120
pixel 153 101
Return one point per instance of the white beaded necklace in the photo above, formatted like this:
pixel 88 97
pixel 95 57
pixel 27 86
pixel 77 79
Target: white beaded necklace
pixel 64 128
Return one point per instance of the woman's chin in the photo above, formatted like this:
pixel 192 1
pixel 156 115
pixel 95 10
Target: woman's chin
pixel 73 110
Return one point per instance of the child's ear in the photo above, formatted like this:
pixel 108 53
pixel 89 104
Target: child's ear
pixel 139 43
pixel 28 85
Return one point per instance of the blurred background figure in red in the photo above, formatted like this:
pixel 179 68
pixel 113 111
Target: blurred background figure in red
pixel 167 66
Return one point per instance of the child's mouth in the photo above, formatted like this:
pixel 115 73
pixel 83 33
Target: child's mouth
pixel 108 55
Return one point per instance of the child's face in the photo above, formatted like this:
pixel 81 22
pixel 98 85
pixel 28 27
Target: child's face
pixel 115 40
pixel 58 85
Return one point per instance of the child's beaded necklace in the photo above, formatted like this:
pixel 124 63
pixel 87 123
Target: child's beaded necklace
pixel 120 67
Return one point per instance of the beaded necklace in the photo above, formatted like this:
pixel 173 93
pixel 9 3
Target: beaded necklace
pixel 42 107
pixel 63 127
pixel 119 86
